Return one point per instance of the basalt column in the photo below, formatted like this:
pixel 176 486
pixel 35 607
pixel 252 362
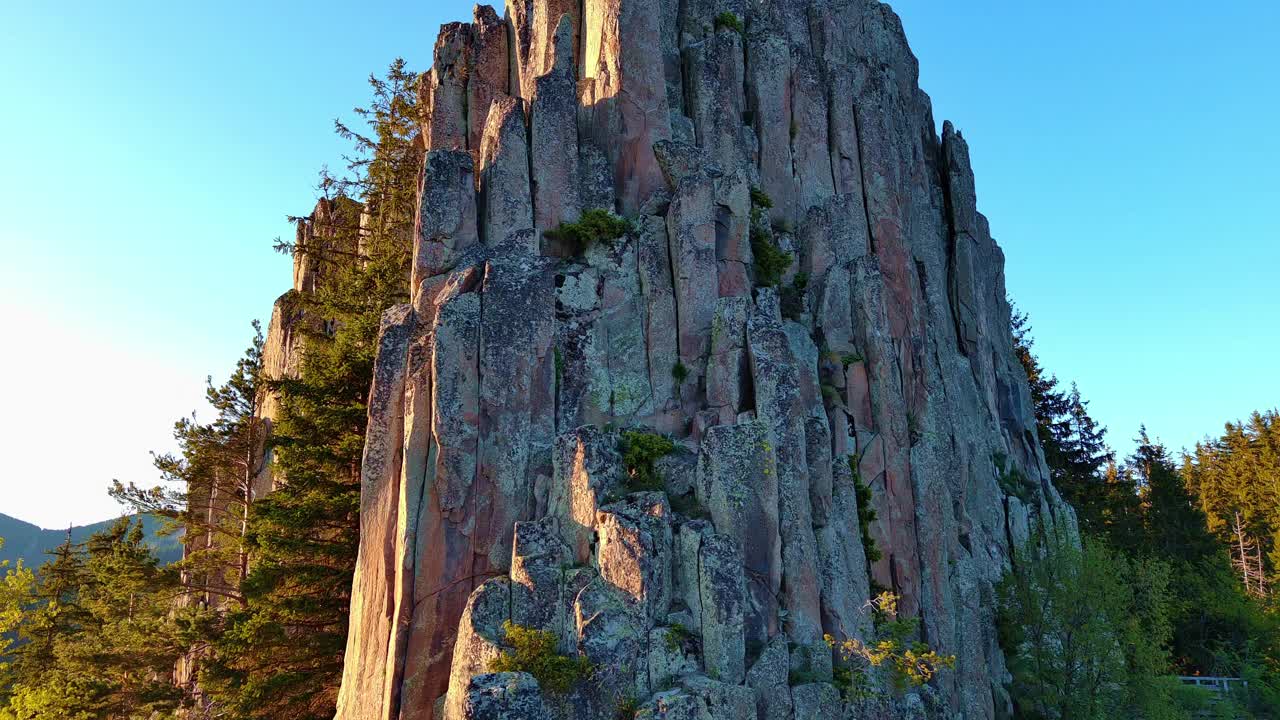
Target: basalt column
pixel 496 485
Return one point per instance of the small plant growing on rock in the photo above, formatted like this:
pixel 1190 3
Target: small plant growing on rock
pixel 534 651
pixel 770 261
pixel 909 662
pixel 640 450
pixel 792 296
pixel 679 372
pixel 866 513
pixel 1011 479
pixel 730 21
pixel 830 394
pixel 594 227
pixel 677 637
pixel 760 199
pixel 627 708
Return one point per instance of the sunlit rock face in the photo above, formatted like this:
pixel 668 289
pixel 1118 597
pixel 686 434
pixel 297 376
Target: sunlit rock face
pixel 494 488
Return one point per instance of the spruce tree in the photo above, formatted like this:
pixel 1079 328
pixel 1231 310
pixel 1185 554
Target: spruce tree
pixel 280 655
pixel 97 638
pixel 1075 447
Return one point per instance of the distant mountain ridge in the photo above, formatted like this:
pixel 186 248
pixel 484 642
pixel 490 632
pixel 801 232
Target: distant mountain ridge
pixel 30 543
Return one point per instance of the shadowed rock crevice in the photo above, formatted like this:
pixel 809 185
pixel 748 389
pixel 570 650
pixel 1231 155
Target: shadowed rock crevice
pixel 496 483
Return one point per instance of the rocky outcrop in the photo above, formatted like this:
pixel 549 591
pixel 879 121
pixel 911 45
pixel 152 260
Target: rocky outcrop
pixel 495 483
pixel 318 250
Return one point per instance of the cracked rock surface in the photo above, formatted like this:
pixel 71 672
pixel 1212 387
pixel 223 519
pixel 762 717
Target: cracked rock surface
pixel 495 483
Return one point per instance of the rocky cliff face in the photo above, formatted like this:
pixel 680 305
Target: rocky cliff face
pixel 493 484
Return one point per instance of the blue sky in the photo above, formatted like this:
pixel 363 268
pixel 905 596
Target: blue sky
pixel 1125 154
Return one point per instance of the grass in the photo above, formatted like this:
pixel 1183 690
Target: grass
pixel 677 637
pixel 627 708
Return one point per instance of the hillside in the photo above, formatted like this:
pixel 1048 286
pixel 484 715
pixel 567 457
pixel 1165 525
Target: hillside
pixel 27 542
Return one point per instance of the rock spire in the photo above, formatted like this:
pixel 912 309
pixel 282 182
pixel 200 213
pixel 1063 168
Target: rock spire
pixel 495 484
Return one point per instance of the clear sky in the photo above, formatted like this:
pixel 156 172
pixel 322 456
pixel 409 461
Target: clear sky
pixel 1125 153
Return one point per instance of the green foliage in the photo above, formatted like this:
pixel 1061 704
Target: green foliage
pixel 596 226
pixel 1236 479
pixel 95 633
pixel 729 21
pixel 770 262
pixel 1184 518
pixel 16 586
pixel 534 651
pixel 1075 447
pixel 1085 630
pixel 894 654
pixel 760 200
pixel 677 637
pixel 1012 480
pixel 830 394
pixel 866 513
pixel 679 373
pixel 279 654
pixel 640 450
pixel 792 296
pixel 210 483
pixel 627 708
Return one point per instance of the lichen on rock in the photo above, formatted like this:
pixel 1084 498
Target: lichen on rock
pixel 497 484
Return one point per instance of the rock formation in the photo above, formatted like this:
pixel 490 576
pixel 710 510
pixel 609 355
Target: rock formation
pixel 494 487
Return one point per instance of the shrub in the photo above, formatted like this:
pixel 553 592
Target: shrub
pixel 679 372
pixel 770 261
pixel 909 663
pixel 1011 479
pixel 676 637
pixel 760 199
pixel 594 227
pixel 792 296
pixel 534 651
pixel 627 708
pixel 640 450
pixel 730 21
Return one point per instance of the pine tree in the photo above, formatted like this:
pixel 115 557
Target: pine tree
pixel 280 655
pixel 97 639
pixel 1236 479
pixel 1075 447
pixel 210 483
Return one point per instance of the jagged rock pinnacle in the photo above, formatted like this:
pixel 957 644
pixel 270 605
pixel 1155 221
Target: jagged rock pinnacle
pixel 729 134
